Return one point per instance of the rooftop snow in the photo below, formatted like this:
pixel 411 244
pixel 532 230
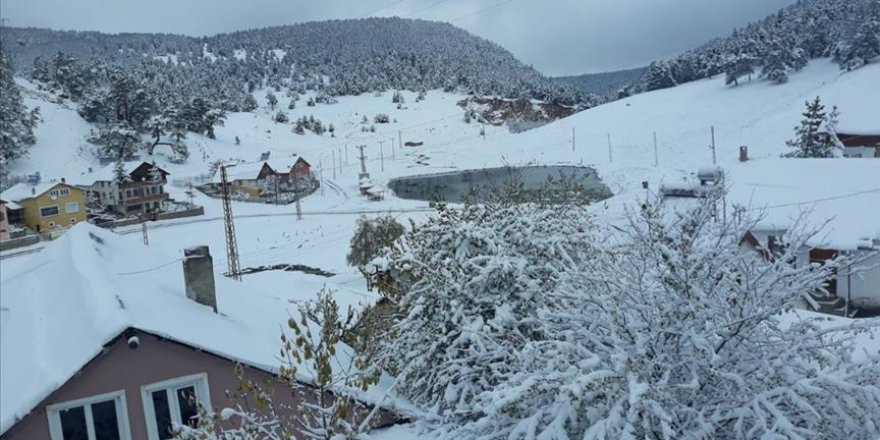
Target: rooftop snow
pixel 107 173
pixel 23 190
pixel 102 284
pixel 843 192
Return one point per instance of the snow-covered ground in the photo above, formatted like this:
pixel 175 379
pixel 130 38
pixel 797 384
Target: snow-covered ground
pixel 757 114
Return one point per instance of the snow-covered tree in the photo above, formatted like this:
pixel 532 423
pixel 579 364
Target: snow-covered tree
pixel 468 283
pixel 864 47
pixel 370 237
pixel 249 104
pixel 16 122
pixel 534 325
pixel 271 99
pixel 809 141
pixel 658 76
pixel 120 140
pixel 281 117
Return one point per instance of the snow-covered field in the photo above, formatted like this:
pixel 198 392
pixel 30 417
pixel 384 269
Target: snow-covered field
pixel 759 115
pixel 617 139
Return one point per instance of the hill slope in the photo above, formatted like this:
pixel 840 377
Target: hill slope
pixel 340 57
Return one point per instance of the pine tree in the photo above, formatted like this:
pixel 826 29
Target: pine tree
pixel 121 141
pixel 16 123
pixel 249 104
pixel 658 76
pixel 120 176
pixel 808 141
pixel 271 99
pixel 864 47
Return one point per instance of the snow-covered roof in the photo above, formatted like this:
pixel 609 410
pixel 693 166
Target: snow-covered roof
pixel 22 191
pixel 107 173
pixel 251 170
pixel 843 192
pixel 101 285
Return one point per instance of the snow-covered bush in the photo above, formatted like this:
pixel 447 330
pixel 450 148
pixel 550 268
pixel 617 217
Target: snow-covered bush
pixel 370 237
pixel 381 118
pixel 471 280
pixel 527 323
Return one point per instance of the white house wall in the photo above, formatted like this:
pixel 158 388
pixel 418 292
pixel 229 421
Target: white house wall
pixel 865 278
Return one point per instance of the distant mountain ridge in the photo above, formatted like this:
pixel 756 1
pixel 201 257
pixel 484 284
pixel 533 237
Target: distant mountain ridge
pixel 338 57
pixel 604 83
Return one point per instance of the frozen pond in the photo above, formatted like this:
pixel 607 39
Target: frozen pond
pixel 455 186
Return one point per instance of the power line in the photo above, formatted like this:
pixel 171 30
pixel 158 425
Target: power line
pixel 824 199
pixel 382 8
pixel 425 8
pixel 479 11
pixel 151 269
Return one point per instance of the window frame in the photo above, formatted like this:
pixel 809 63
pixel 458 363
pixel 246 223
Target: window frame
pixel 57 208
pixel 199 381
pixel 53 413
pixel 67 207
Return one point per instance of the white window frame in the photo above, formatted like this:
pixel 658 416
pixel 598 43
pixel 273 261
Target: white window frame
pixel 67 207
pixel 53 412
pixel 203 395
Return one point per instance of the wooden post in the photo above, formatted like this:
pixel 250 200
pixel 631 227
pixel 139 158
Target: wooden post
pixel 712 131
pixel 610 156
pixel 656 157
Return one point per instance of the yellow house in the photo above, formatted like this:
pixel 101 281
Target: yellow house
pixel 48 206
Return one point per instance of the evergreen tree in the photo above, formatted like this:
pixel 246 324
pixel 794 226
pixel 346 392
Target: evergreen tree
pixel 249 104
pixel 120 176
pixel 739 66
pixel 864 47
pixel 658 76
pixel 271 99
pixel 120 140
pixel 16 122
pixel 808 141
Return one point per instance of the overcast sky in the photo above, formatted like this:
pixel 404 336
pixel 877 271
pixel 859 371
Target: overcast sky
pixel 558 37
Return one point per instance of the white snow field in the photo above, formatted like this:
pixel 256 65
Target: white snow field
pixel 758 114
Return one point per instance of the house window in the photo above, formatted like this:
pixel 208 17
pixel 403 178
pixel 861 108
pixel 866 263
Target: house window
pixel 174 402
pixel 48 211
pixel 71 207
pixel 93 418
pixel 128 193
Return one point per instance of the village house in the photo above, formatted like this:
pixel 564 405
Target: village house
pixel 267 178
pixel 4 221
pixel 47 206
pixel 859 145
pixel 107 350
pixel 142 192
pixel 842 213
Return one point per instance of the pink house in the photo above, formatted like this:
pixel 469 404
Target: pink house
pixel 124 353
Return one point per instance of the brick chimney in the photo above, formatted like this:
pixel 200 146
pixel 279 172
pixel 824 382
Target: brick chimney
pixel 198 274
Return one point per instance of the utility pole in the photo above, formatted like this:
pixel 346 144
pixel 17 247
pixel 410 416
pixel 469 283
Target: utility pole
pixel 381 156
pixel 346 154
pixel 233 269
pixel 299 211
pixel 610 157
pixel 334 164
pixel 656 156
pixel 572 139
pixel 392 149
pixel 363 158
pixel 712 130
pixel 339 154
pixel 321 175
pixel 400 139
pixel 144 230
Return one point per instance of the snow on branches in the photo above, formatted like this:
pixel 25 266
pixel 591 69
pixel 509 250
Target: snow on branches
pixel 528 323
